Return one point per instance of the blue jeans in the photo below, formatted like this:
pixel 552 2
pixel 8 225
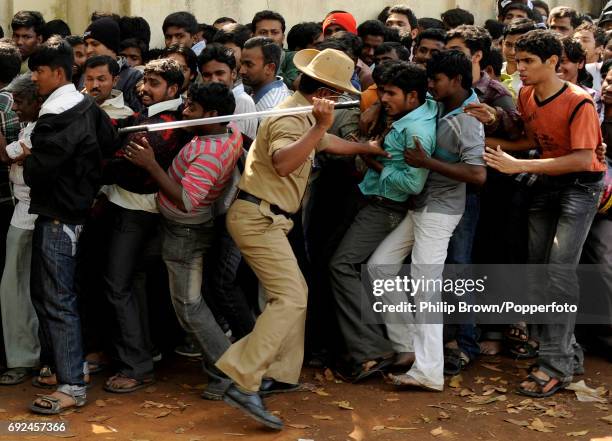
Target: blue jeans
pixel 54 250
pixel 460 252
pixel 184 249
pixel 560 215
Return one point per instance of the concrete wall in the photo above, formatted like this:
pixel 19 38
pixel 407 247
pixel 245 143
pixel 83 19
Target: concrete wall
pixel 77 12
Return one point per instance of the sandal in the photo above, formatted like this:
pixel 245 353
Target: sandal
pixel 455 360
pixel 55 404
pixel 136 384
pixel 15 376
pixel 547 387
pixel 517 332
pixel 522 351
pixel 371 367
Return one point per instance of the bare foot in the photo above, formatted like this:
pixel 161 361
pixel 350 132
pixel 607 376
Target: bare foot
pixel 490 347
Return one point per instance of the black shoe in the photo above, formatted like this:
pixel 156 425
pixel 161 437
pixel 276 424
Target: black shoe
pixel 270 386
pixel 251 404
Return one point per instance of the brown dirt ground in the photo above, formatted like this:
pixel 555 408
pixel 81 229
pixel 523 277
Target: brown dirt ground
pixel 380 413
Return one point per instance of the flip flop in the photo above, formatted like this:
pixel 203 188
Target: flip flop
pixel 530 351
pixel 522 336
pixel 55 404
pixel 382 364
pixel 140 384
pixel 15 376
pixel 455 360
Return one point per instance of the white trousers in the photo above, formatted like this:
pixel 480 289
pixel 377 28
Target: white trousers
pixel 426 235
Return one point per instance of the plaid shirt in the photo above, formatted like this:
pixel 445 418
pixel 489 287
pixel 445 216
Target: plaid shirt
pixel 9 127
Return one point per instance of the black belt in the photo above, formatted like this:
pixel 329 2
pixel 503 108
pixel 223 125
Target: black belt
pixel 390 203
pixel 255 200
pixel 572 178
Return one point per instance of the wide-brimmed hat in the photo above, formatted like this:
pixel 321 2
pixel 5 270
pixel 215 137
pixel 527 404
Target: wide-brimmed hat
pixel 329 66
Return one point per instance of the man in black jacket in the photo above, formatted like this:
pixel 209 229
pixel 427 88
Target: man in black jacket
pixel 63 170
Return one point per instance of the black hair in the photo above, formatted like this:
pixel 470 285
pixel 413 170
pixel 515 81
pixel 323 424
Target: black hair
pixel 451 63
pixel 598 33
pixel 430 23
pixel 431 34
pixel 97 15
pixel 1 32
pixel 520 6
pixel 10 62
pixel 573 51
pixel 384 14
pixel 55 53
pixel 189 55
pixel 153 54
pixel 378 73
pixel 135 27
pixel 103 60
pixel 566 12
pixel 351 41
pixel 267 15
pixel 224 20
pixel 457 17
pixel 182 19
pixel 542 43
pixel 303 34
pixel 217 52
pixel 393 34
pixel 541 4
pixel 55 27
pixel 371 27
pixel 334 44
pixel 405 10
pixel 136 43
pixel 74 40
pixel 213 96
pixel 495 28
pixel 495 60
pixel 28 19
pixel 605 67
pixel 402 52
pixel 309 85
pixel 407 76
pixel 168 69
pixel 270 50
pixel 208 32
pixel 235 33
pixel 475 38
pixel 519 26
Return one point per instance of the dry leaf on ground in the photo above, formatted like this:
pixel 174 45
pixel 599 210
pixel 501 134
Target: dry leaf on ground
pixel 344 405
pixel 439 431
pixel 521 423
pixel 298 426
pixel 540 426
pixel 587 394
pixel 607 419
pixel 100 403
pixel 322 417
pixel 581 433
pixel 455 381
pixel 321 392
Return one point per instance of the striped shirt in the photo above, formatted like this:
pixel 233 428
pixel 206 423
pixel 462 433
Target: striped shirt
pixel 203 167
pixel 271 95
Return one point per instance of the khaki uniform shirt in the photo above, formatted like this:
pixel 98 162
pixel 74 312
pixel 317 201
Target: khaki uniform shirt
pixel 260 178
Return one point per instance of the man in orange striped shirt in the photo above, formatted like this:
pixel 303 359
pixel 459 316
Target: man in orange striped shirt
pixel 195 180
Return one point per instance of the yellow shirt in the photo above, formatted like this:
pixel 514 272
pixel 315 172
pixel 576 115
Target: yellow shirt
pixel 260 178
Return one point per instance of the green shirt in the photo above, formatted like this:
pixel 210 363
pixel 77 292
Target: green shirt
pixel 398 180
pixel 287 69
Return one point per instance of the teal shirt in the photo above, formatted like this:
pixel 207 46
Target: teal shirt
pixel 398 180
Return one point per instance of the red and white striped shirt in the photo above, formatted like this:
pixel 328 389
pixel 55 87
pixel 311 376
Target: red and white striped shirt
pixel 203 167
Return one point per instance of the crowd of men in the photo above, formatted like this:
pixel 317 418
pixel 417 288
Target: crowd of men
pixel 243 242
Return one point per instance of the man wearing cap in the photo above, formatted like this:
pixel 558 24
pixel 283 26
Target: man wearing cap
pixel 102 38
pixel 269 359
pixel 339 21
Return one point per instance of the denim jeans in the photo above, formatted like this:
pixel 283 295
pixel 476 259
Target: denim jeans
pixel 560 215
pixel 460 252
pixel 184 248
pixel 224 287
pixel 131 231
pixel 54 250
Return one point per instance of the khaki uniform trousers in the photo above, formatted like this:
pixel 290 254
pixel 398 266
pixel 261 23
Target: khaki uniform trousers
pixel 275 347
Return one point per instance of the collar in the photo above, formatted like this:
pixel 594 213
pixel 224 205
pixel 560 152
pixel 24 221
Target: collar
pixel 483 84
pixel 115 100
pixel 472 98
pixel 60 99
pixel 164 106
pixel 427 110
pixel 267 88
